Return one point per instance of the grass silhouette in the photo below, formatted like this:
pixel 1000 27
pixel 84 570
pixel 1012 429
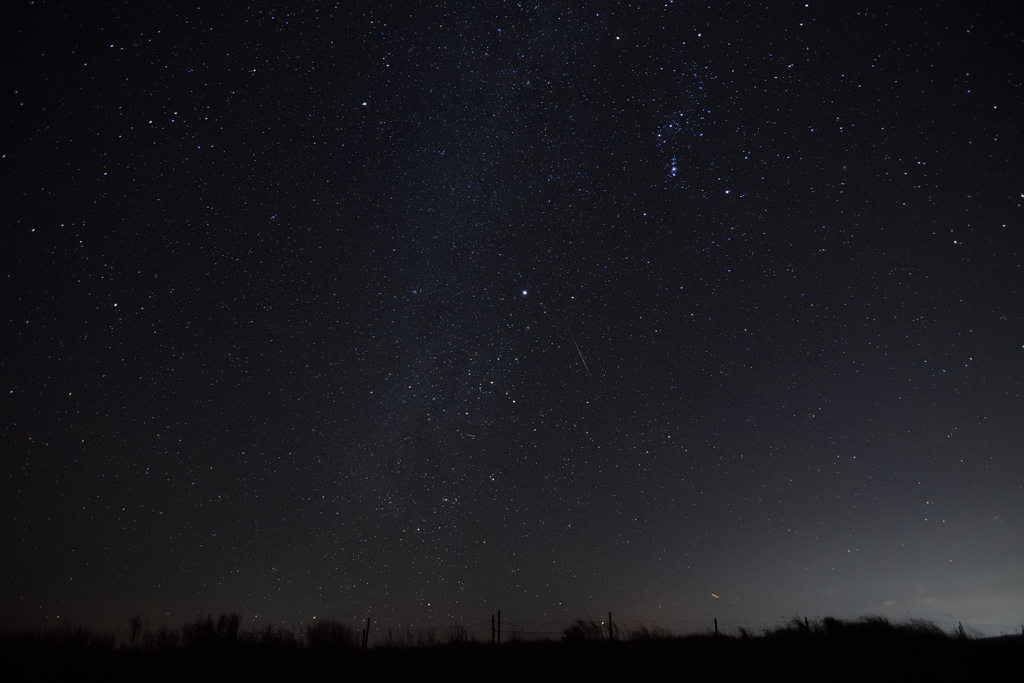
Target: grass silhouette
pixel 221 647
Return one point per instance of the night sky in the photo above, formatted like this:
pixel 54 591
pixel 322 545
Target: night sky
pixel 424 311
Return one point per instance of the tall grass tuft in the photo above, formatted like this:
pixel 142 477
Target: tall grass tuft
pixel 458 635
pixel 584 630
pixel 644 632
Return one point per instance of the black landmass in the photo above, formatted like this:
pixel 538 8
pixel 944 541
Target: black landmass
pixel 828 649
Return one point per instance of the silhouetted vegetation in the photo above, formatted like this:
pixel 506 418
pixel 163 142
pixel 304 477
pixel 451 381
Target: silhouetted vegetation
pixel 584 630
pixel 838 649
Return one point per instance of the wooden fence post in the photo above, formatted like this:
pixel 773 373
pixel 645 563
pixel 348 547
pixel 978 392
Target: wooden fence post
pixel 366 633
pixel 716 626
pixel 499 627
pixel 611 634
pixel 492 630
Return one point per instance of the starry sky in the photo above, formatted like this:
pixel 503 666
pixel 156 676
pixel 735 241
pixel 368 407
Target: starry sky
pixel 423 311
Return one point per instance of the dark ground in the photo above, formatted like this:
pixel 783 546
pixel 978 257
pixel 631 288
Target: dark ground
pixel 831 649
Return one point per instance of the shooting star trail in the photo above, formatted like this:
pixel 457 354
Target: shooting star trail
pixel 579 352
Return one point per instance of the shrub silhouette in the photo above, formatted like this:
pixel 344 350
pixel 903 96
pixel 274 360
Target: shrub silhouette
pixel 205 634
pixel 330 635
pixel 876 629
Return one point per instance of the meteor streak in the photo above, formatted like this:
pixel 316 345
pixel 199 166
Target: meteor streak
pixel 579 352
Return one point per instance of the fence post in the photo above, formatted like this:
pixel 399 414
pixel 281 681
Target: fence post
pixel 366 633
pixel 492 629
pixel 499 627
pixel 611 634
pixel 716 626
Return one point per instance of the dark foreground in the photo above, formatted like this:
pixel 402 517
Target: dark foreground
pixel 829 650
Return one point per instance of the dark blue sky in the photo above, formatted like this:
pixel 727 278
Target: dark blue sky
pixel 297 305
